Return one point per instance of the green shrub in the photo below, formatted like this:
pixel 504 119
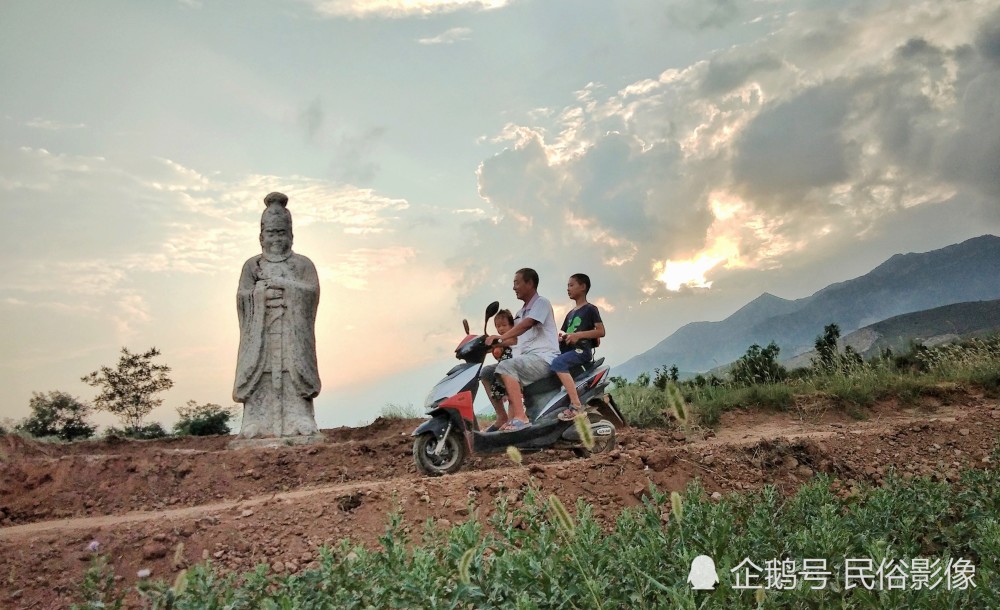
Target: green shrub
pixel 145 432
pixel 541 555
pixel 203 420
pixel 642 405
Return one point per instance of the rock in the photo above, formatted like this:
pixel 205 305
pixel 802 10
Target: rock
pixel 679 436
pixel 536 468
pixel 291 566
pixel 444 523
pixel 640 492
pixel 154 550
pixel 144 573
pixel 246 513
pixel 804 471
pixel 789 462
pixel 708 460
pixel 218 554
pixel 278 567
pixel 716 496
pixel 351 556
pixel 462 511
pixel 964 431
pixel 658 462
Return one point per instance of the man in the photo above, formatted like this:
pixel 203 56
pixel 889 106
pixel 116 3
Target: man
pixel 538 345
pixel 276 372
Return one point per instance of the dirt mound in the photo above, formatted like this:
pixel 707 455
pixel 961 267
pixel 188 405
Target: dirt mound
pixel 162 507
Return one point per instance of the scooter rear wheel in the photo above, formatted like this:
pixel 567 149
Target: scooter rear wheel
pixel 450 460
pixel 602 444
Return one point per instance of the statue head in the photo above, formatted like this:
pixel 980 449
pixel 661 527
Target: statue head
pixel 276 226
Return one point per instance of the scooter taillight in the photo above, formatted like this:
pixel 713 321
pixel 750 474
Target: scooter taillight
pixel 597 379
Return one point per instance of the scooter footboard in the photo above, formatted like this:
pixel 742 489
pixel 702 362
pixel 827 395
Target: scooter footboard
pixel 536 436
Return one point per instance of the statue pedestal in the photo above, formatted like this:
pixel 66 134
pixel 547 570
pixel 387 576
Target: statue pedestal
pixel 277 441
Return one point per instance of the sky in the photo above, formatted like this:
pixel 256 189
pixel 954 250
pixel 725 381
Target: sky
pixel 688 155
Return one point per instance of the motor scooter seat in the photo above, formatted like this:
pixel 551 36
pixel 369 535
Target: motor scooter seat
pixel 547 384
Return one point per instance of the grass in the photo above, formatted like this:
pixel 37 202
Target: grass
pixel 937 372
pixel 541 555
pixel 395 411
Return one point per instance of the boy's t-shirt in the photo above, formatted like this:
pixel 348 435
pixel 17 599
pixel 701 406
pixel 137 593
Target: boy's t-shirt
pixel 578 320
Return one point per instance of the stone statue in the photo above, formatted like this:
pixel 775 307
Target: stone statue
pixel 276 372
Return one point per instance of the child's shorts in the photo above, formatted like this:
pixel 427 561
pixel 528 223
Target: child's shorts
pixel 567 360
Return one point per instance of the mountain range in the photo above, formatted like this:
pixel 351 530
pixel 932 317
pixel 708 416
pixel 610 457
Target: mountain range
pixel 905 283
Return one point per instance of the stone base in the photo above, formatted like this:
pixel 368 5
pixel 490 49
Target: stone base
pixel 277 441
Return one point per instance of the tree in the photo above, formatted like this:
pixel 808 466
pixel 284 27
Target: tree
pixel 759 365
pixel 57 414
pixel 826 347
pixel 675 373
pixel 203 420
pixel 660 378
pixel 129 390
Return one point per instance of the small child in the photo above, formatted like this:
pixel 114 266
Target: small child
pixel 504 321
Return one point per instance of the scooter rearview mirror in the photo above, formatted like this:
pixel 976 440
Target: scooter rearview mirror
pixel 465 325
pixel 491 310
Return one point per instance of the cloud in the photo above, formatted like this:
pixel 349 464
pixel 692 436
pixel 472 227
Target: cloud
pixel 51 125
pixel 353 269
pixel 310 119
pixel 102 230
pixel 395 9
pixel 353 154
pixel 814 133
pixel 447 37
pixel 702 14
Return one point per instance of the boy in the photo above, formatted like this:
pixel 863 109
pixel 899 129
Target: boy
pixel 580 333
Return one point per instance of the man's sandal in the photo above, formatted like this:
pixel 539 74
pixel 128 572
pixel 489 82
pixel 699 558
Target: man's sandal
pixel 572 412
pixel 514 425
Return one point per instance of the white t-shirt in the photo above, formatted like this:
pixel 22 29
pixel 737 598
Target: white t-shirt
pixel 542 339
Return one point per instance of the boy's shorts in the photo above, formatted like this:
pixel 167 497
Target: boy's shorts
pixel 567 360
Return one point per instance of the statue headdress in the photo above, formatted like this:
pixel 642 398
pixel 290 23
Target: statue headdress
pixel 276 210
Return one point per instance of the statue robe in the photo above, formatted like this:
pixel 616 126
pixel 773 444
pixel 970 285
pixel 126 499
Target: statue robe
pixel 276 372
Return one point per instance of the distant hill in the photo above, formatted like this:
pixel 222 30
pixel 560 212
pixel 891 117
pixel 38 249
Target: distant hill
pixel 903 284
pixel 930 327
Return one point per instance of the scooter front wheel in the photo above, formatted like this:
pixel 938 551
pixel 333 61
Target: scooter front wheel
pixel 431 461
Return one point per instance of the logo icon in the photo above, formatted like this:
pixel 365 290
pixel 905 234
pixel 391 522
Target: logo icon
pixel 703 576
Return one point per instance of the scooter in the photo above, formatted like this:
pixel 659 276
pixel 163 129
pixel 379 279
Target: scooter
pixel 452 433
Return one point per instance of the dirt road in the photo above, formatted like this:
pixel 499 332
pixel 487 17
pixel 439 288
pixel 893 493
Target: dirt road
pixel 165 505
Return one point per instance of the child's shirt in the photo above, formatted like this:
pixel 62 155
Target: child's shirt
pixel 583 318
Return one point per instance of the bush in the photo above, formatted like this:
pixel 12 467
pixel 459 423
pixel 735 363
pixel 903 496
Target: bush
pixel 643 406
pixel 146 432
pixel 57 414
pixel 395 411
pixel 203 420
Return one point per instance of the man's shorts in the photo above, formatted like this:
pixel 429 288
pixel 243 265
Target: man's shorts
pixel 525 369
pixel 567 360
